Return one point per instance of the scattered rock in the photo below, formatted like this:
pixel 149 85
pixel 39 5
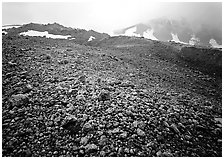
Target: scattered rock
pixel 127 84
pixel 135 124
pixel 103 140
pixel 187 137
pixel 68 49
pixel 104 95
pixel 12 63
pixel 84 140
pixel 140 132
pixel 174 128
pixel 28 88
pixel 82 79
pixel 19 100
pixel 114 131
pixel 124 135
pixel 88 126
pixel 90 148
pixel 72 124
pixel 166 124
pixel 63 62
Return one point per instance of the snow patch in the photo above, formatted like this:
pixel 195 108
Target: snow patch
pixel 214 43
pixel 131 32
pixel 42 34
pixel 10 26
pixel 71 38
pixel 91 38
pixel 176 39
pixel 194 40
pixel 149 34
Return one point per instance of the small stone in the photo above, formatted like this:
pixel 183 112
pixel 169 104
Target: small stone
pixel 102 153
pixel 28 153
pixel 72 124
pixel 103 140
pixel 141 124
pixel 68 49
pixel 166 124
pixel 87 126
pixel 82 79
pixel 174 127
pixel 132 151
pixel 187 137
pixel 11 112
pixel 55 152
pixel 120 151
pixel 104 95
pixel 85 117
pixel 84 140
pixel 81 151
pixel 159 154
pixel 124 135
pixel 12 63
pixel 80 97
pixel 200 136
pixel 140 132
pixel 114 131
pixel 167 154
pixel 181 125
pixel 109 110
pixel 116 124
pixel 28 88
pixel 126 150
pixel 160 138
pixel 90 148
pixel 135 124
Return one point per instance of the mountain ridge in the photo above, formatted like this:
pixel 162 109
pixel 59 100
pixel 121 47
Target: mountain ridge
pixel 164 28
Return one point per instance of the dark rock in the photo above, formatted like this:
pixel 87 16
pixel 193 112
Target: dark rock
pixel 201 128
pixel 72 124
pixel 82 79
pixel 68 49
pixel 104 95
pixel 27 88
pixel 63 62
pixel 28 153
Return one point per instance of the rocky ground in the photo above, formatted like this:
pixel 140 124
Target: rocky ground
pixel 65 99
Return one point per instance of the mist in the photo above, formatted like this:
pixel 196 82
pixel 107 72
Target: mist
pixel 107 16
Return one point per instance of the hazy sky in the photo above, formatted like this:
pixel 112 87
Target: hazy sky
pixel 109 15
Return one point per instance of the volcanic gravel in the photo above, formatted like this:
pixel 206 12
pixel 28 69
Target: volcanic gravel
pixel 65 99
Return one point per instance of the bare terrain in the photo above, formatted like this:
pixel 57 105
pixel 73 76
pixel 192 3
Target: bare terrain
pixel 120 96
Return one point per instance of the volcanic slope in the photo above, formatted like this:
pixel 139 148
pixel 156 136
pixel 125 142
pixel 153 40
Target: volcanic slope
pixel 64 99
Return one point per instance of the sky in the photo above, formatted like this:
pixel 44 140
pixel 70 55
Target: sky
pixel 109 15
